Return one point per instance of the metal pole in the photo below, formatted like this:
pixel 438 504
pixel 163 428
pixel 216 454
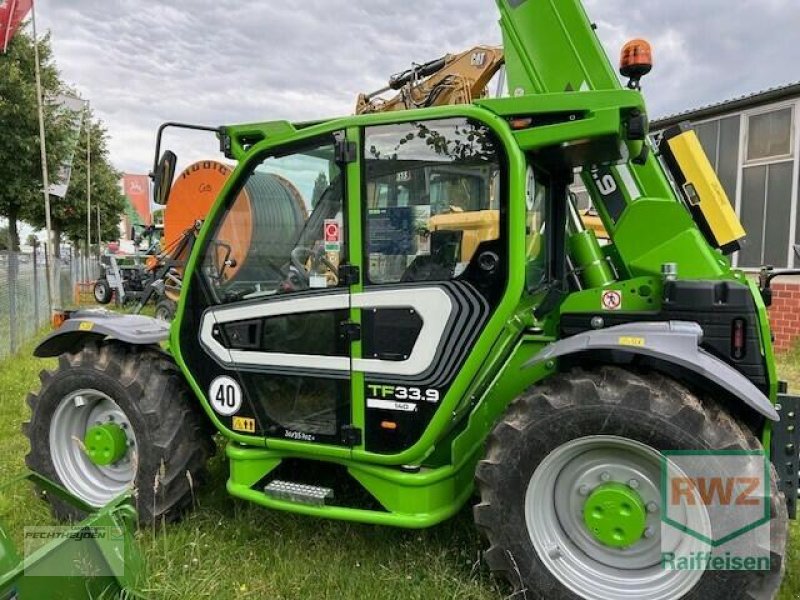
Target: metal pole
pixel 43 151
pixel 36 290
pixel 99 239
pixel 88 181
pixel 74 272
pixel 47 257
pixel 12 301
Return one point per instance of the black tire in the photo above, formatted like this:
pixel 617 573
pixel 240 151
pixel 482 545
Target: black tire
pixel 647 407
pixel 165 309
pixel 103 292
pixel 173 441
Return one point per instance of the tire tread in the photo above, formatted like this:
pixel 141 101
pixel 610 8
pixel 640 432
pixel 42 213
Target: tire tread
pixel 173 419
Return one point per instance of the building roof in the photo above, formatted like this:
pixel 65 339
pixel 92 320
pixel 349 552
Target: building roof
pixel 774 94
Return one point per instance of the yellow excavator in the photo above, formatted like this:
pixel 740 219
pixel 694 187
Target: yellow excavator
pixel 452 79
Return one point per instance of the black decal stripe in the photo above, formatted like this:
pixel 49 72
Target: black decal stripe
pixel 476 310
pixel 615 201
pixel 470 313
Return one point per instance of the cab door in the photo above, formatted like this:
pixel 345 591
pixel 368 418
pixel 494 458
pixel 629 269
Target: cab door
pixel 265 330
pixel 434 252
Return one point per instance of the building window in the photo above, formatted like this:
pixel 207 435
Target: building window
pixel 769 135
pixel 767 180
pixel 765 214
pixel 720 140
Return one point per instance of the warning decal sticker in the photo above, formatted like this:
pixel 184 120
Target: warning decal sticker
pixel 611 300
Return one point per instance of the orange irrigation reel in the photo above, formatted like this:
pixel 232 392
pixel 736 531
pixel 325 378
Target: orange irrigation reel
pixel 268 209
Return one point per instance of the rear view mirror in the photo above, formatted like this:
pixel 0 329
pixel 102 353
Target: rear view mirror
pixel 163 176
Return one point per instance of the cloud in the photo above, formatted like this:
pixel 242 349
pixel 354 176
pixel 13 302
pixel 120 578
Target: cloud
pixel 706 51
pixel 144 62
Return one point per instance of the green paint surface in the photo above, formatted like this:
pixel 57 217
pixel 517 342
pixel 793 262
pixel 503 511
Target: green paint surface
pixel 615 515
pixel 105 444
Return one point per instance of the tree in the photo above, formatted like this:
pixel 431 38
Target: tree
pixel 19 144
pixel 4 238
pixel 68 215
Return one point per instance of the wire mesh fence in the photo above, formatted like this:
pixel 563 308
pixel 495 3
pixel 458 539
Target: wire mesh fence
pixel 25 305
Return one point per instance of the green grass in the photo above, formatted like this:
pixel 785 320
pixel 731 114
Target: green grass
pixel 230 549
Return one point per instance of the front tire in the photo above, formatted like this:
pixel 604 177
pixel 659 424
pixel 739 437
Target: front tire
pixel 139 392
pixel 623 419
pixel 166 309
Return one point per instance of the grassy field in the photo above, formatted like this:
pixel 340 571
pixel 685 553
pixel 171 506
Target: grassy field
pixel 229 549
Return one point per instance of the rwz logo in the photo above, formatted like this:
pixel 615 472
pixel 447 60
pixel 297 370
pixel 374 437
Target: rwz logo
pixel 727 491
pixel 715 497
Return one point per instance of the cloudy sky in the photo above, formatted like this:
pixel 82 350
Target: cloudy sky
pixel 142 62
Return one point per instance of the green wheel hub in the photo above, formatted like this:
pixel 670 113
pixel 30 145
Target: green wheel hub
pixel 615 515
pixel 105 444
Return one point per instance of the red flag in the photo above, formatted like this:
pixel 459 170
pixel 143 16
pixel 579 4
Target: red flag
pixel 137 189
pixel 12 13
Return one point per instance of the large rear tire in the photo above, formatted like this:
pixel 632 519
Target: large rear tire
pixel 133 391
pixel 624 419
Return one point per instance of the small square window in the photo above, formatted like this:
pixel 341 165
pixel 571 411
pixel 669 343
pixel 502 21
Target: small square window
pixel 769 135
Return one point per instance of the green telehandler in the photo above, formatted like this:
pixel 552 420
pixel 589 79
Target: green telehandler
pixel 435 321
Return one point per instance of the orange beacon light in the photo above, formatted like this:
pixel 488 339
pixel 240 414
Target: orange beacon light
pixel 636 61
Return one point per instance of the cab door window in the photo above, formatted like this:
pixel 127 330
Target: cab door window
pixel 433 199
pixel 284 232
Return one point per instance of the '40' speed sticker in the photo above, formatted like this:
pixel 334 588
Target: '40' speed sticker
pixel 225 396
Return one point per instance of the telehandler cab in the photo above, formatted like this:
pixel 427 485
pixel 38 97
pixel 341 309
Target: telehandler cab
pixel 436 315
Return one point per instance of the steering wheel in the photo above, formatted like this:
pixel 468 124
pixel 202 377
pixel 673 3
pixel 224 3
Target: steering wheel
pixel 299 259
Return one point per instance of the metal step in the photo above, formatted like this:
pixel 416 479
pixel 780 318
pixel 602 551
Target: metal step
pixel 298 492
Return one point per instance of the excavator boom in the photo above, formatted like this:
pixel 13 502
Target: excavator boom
pixel 451 79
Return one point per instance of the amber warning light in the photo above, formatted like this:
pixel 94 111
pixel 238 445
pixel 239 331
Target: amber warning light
pixel 636 61
pixel 58 318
